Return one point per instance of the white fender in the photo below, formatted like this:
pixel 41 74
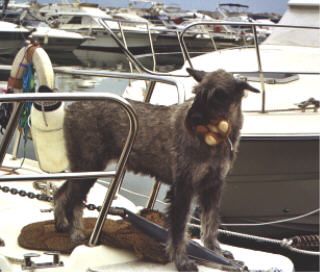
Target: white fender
pixel 46 127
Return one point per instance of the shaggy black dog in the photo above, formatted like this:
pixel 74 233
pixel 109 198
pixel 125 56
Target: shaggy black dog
pixel 190 146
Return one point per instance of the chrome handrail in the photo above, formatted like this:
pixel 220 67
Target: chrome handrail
pixel 262 80
pixel 148 30
pixel 135 76
pixel 152 49
pixel 118 174
pixel 125 43
pixel 249 24
pixel 153 78
pixel 116 184
pixel 256 44
pixel 129 55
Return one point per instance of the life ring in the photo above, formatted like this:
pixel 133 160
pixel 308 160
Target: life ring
pixel 46 121
pixel 34 54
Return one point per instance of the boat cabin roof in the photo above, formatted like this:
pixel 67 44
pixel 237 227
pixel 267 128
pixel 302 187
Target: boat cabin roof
pixel 302 14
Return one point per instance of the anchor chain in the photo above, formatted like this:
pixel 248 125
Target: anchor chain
pixel 41 197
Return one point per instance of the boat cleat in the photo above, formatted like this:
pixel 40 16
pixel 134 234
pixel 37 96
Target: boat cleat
pixel 28 263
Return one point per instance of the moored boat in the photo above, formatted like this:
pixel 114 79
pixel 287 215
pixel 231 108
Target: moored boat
pixel 12 37
pixel 56 40
pixel 15 191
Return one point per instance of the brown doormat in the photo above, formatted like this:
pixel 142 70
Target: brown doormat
pixel 121 234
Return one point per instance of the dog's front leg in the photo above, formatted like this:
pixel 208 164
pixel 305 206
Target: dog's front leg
pixel 209 200
pixel 178 215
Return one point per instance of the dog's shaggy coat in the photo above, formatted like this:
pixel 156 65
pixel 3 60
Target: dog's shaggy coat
pixel 167 147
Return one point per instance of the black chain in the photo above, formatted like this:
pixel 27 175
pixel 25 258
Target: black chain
pixel 41 197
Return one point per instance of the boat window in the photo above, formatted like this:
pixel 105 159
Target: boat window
pixel 270 77
pixel 75 20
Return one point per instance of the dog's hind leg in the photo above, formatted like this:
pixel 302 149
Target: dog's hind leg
pixel 86 152
pixel 180 197
pixel 60 208
pixel 70 197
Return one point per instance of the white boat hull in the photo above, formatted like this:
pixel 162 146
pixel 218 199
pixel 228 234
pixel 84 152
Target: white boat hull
pixel 137 41
pixel 56 44
pixel 12 38
pixel 269 182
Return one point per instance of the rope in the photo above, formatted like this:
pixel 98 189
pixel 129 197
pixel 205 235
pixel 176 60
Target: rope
pixel 306 241
pixel 28 85
pixel 285 243
pixel 25 83
pixel 272 222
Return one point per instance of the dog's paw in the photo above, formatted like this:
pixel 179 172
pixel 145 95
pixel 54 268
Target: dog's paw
pixel 77 236
pixel 2 243
pixel 227 254
pixel 62 224
pixel 183 263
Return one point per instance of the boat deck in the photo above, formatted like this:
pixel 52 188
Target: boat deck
pixel 18 212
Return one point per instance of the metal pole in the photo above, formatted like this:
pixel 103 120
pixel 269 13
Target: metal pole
pixel 118 175
pixel 16 145
pixel 157 184
pixel 234 24
pixel 114 186
pixel 151 87
pixel 129 55
pixel 59 176
pixel 263 90
pixel 116 183
pixel 154 194
pixel 152 48
pixel 11 127
pixel 125 44
pixel 185 48
pixel 181 47
pixel 211 37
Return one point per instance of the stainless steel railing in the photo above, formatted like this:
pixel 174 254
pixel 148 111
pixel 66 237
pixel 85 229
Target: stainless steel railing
pixel 132 59
pixel 186 53
pixel 117 175
pixel 153 78
pixel 256 45
pixel 151 86
pixel 121 23
pixel 150 31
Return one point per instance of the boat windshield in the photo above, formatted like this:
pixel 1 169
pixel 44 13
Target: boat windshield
pixel 304 15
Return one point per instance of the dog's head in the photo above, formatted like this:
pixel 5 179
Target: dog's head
pixel 217 96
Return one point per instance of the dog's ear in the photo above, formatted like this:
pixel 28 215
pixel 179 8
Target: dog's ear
pixel 44 89
pixel 243 85
pixel 196 74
